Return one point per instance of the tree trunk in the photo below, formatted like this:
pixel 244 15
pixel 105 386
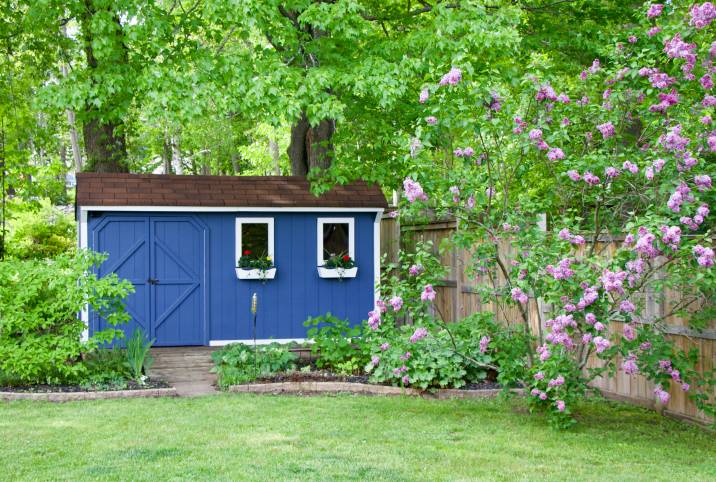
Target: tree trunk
pixel 276 156
pixel 105 146
pixel 105 143
pixel 167 153
pixel 311 147
pixel 176 157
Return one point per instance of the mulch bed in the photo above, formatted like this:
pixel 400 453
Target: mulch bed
pixel 131 385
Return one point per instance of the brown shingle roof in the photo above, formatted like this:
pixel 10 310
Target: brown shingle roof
pixel 94 189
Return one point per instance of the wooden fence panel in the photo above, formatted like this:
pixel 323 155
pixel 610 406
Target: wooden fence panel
pixel 457 298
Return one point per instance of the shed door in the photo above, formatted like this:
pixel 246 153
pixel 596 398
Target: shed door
pixel 164 258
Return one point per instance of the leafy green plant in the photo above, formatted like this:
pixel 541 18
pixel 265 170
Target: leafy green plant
pixel 40 330
pixel 336 344
pixel 40 233
pixel 251 261
pixel 138 357
pixel 340 261
pixel 106 364
pixel 239 363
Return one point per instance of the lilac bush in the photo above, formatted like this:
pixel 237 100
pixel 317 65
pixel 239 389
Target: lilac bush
pixel 622 151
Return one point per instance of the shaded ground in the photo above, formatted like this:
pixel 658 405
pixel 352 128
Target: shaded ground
pixel 249 437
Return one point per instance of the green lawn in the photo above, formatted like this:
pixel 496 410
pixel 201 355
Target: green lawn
pixel 246 437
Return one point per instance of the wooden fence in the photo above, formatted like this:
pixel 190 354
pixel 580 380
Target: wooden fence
pixel 457 297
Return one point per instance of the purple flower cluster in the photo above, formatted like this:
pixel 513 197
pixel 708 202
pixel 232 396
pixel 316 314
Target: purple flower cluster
pixel 452 77
pixel 572 238
pixel 484 342
pixel 613 281
pixel 655 10
pixel 374 319
pixel 704 256
pixel 519 295
pixel 396 302
pixel 562 270
pixel 413 190
pixel 702 15
pixel 428 293
pixel 601 344
pixel 629 365
pixel 416 269
pixel 418 335
pixel 607 129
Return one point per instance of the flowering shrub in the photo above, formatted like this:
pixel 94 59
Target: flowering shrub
pixel 625 148
pixel 249 260
pixel 340 261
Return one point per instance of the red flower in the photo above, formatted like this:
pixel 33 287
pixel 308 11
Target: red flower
pixel 346 258
pixel 247 252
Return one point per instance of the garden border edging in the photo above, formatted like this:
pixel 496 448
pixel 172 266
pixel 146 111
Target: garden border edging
pixel 97 395
pixel 364 389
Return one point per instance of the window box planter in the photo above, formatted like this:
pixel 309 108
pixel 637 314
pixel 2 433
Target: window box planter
pixel 243 273
pixel 324 272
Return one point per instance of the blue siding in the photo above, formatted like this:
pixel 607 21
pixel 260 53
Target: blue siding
pixel 217 307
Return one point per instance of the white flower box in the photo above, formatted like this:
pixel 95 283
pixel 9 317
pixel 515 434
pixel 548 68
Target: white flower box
pixel 242 273
pixel 324 272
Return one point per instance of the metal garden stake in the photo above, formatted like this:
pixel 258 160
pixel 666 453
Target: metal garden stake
pixel 254 304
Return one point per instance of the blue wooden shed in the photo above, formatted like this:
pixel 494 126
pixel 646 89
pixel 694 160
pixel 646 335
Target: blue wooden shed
pixel 178 240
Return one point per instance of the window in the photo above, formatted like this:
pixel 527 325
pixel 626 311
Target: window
pixel 254 235
pixel 336 236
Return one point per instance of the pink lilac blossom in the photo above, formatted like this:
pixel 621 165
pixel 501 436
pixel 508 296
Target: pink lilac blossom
pixel 471 202
pixel 678 49
pixel 649 173
pixel 703 182
pixel 673 140
pixel 631 167
pixel 539 376
pixel 384 346
pixel 704 256
pixel 406 356
pixel 555 153
pixel 419 334
pixel 645 244
pixel 706 82
pixel 613 281
pixel 658 164
pixel 667 100
pixel 627 306
pixel 586 338
pixel 629 332
pixel 452 77
pixel 711 141
pixel 375 360
pixel 574 175
pixel 590 319
pixel 546 92
pixel 629 366
pixel 428 293
pixel 544 352
pixel 519 295
pixel 556 382
pixel 542 145
pixel 562 271
pixel 380 304
pixel 606 94
pixel 535 134
pixel 484 342
pixel 398 371
pixel 424 95
pixel 563 98
pixel 601 344
pixel 455 194
pixel 431 120
pixel 394 214
pixel 468 152
pixel 405 380
pixel 655 10
pixel 607 129
pixel 413 190
pixel 671 236
pixel 653 31
pixel 396 302
pixel 599 326
pixel 594 67
pixel 565 121
pixel 591 179
pixel 662 395
pixel 611 172
pixel 702 15
pixel 374 319
pixel 709 101
pixel 415 269
pixel 632 39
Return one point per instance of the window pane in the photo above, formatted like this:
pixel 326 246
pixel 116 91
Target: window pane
pixel 335 239
pixel 254 237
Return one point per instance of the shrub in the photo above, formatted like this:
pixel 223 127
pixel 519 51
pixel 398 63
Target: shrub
pixel 337 345
pixel 40 331
pixel 41 233
pixel 239 363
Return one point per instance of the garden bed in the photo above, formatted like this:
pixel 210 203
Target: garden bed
pixel 322 382
pixel 66 393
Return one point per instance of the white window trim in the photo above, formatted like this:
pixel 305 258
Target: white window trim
pixel 320 261
pixel 241 221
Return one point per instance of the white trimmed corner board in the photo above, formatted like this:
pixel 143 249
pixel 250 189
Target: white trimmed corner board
pixel 324 272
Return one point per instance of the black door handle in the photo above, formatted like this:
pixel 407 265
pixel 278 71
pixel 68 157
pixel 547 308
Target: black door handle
pixel 153 281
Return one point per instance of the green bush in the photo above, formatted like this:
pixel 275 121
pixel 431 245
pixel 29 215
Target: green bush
pixel 337 345
pixel 40 331
pixel 235 363
pixel 39 233
pixel 138 357
pixel 107 368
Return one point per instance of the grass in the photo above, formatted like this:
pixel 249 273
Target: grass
pixel 276 438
